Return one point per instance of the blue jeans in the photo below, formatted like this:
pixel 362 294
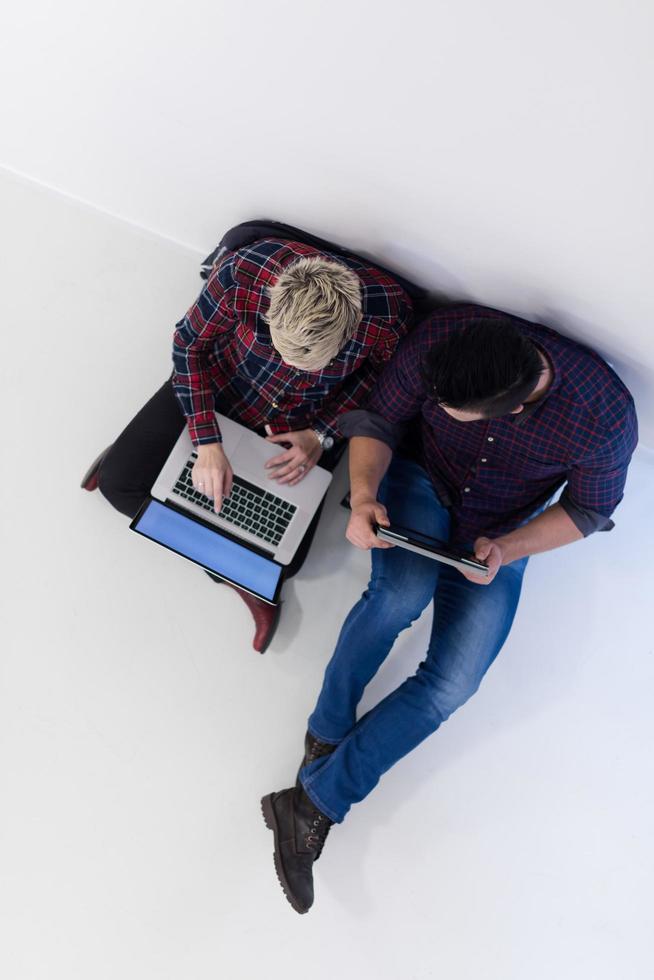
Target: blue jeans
pixel 471 623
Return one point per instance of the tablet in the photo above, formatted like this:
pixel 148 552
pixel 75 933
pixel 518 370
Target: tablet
pixel 210 548
pixel 421 544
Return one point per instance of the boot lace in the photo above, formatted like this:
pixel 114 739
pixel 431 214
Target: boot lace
pixel 320 827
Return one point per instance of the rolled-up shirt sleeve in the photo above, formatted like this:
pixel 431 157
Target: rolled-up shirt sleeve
pixel 363 422
pixel 596 483
pixel 587 520
pixel 195 337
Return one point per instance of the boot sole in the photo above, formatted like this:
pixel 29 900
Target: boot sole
pixel 270 821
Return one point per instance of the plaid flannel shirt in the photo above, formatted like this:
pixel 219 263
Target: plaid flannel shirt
pixel 222 350
pixel 493 474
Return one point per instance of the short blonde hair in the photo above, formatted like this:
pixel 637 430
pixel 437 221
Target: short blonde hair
pixel 315 307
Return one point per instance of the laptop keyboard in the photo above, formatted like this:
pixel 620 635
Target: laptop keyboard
pixel 248 506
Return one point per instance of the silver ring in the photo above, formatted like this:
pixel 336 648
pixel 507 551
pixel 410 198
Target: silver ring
pixel 302 467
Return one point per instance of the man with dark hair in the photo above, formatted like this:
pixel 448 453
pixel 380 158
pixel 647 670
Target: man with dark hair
pixel 473 426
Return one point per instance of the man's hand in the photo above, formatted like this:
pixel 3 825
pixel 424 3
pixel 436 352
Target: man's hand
pixel 360 531
pixel 212 475
pixel 489 552
pixel 293 465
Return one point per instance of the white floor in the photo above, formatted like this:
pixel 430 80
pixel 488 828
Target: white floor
pixel 138 729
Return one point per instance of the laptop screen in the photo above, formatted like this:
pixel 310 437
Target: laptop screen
pixel 208 548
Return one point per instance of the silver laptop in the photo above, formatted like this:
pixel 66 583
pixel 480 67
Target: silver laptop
pixel 270 516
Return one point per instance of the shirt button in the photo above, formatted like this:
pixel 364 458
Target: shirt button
pixel 484 460
pixel 275 405
pixel 466 489
pixel 490 439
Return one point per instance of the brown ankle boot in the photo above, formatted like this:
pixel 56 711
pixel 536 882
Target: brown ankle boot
pixel 300 829
pixel 313 749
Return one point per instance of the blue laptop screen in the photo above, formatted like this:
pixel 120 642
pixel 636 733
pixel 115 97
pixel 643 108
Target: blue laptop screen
pixel 212 550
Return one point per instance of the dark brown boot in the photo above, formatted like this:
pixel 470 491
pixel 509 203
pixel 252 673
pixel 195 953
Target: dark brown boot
pixel 313 749
pixel 300 830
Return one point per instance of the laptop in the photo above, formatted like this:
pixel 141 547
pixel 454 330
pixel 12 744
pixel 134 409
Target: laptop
pixel 266 519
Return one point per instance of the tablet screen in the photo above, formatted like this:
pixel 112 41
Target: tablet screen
pixel 208 548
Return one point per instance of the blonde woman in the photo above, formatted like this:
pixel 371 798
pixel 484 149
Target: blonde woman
pixel 283 338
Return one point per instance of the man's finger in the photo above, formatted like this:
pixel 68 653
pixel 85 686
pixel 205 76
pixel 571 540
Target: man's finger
pixel 483 549
pixel 380 543
pixel 365 538
pixel 381 516
pixel 492 557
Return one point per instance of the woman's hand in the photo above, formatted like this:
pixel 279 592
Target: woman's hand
pixel 212 475
pixel 293 465
pixel 361 528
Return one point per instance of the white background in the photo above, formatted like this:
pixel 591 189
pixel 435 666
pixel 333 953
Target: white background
pixel 499 151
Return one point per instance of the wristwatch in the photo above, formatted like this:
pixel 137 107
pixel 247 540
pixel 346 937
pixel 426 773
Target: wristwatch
pixel 326 442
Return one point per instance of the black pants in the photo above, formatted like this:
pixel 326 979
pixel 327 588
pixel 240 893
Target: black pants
pixel 136 458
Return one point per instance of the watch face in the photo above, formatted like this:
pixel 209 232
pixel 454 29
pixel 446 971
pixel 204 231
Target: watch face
pixel 327 442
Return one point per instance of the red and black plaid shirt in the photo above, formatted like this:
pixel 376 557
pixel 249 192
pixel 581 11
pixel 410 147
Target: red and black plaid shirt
pixel 222 348
pixel 495 473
